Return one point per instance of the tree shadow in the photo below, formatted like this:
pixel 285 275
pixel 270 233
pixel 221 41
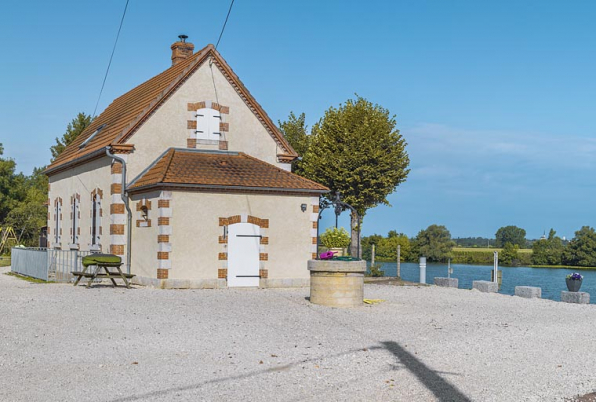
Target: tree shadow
pixel 440 387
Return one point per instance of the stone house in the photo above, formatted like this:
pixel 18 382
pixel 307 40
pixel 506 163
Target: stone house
pixel 188 179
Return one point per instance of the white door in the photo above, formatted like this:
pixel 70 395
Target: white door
pixel 243 254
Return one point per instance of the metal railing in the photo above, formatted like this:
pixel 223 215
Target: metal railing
pixel 47 264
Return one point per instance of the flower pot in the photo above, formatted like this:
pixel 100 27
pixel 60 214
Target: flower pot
pixel 573 284
pixel 337 252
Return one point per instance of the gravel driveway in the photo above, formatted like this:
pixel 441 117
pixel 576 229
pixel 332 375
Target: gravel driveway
pixel 61 343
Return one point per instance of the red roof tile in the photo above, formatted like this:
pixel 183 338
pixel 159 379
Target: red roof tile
pixel 220 170
pixel 127 113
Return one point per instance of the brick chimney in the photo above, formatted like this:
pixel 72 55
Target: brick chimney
pixel 181 50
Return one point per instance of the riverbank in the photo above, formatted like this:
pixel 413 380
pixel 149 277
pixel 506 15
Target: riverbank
pixel 385 261
pixel 420 344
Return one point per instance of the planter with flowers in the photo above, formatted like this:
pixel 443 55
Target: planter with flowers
pixel 336 240
pixel 574 282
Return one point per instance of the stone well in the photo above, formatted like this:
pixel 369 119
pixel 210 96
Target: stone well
pixel 337 283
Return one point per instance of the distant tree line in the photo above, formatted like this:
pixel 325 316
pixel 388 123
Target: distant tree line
pixel 435 243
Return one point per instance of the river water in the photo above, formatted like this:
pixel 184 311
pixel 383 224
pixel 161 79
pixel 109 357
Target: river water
pixel 551 280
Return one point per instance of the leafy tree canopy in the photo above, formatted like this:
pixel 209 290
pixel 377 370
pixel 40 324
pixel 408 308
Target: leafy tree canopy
pixel 548 251
pixel 73 130
pixel 295 131
pixel 511 234
pixel 356 150
pixel 434 243
pixel 581 251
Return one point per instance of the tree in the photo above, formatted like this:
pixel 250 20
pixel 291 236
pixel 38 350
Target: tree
pixel 357 151
pixel 12 186
pixel 295 131
pixel 511 234
pixel 548 251
pixel 581 251
pixel 387 247
pixel 73 130
pixel 509 255
pixel 434 243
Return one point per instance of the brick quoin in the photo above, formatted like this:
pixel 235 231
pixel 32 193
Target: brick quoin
pixel 191 143
pixel 314 256
pixel 223 145
pixel 315 208
pixel 191 124
pixel 222 273
pixel 222 256
pixel 163 255
pixel 264 240
pixel 116 168
pixel 116 229
pixel 163 238
pixel 117 249
pixel 162 273
pixel 193 107
pixel 115 188
pixel 117 209
pixel 263 273
pixel 263 256
pixel 224 126
pixel 163 204
pixel 163 221
pixel 224 109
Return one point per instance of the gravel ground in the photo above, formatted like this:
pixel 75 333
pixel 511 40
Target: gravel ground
pixel 61 343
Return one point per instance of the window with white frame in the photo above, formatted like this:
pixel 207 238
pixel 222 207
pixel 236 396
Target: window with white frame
pixel 75 216
pixel 57 222
pixel 208 124
pixel 95 220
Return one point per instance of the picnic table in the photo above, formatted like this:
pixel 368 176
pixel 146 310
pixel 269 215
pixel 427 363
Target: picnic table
pixel 105 263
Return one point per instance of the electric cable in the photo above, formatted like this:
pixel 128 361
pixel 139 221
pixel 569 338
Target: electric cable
pixel 111 57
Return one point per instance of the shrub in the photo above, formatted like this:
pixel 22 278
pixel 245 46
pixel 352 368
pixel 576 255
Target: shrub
pixel 335 238
pixel 375 271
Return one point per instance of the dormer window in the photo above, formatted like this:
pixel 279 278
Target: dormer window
pixel 88 140
pixel 208 124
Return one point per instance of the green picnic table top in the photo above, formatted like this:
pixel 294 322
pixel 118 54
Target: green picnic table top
pixel 102 259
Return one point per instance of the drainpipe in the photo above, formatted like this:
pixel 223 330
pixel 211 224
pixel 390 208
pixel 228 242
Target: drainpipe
pixel 124 197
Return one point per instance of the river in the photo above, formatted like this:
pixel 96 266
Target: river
pixel 551 280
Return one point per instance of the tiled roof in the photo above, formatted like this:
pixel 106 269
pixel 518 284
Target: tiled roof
pixel 125 114
pixel 220 170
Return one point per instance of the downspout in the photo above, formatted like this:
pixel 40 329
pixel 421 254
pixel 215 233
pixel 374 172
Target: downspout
pixel 124 197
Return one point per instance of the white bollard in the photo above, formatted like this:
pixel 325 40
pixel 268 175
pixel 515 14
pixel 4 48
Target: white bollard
pixel 422 269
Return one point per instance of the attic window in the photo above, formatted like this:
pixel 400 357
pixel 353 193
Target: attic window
pixel 92 136
pixel 208 124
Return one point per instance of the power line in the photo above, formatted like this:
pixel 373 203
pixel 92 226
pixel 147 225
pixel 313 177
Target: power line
pixel 112 56
pixel 224 25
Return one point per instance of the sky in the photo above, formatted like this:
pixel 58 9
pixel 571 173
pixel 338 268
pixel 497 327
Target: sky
pixel 496 100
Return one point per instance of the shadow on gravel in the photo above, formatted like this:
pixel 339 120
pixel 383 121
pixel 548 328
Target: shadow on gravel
pixel 443 390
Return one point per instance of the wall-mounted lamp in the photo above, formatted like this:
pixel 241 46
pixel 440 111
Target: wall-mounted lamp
pixel 303 207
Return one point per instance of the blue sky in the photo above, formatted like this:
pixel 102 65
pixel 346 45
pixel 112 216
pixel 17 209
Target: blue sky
pixel 495 99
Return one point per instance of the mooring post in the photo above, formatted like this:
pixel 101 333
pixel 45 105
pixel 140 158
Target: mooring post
pixel 398 261
pixel 372 260
pixel 422 269
pixel 449 271
pixel 496 267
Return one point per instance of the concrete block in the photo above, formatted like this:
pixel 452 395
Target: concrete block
pixel 528 292
pixel 486 286
pixel 447 282
pixel 575 297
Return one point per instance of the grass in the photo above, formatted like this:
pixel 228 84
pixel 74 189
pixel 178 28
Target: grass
pixel 563 266
pixel 26 278
pixel 4 261
pixel 480 250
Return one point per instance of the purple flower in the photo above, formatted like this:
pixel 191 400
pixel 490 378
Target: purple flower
pixel 575 277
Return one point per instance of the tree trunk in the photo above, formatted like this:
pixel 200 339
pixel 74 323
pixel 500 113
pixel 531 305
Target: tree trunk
pixel 355 228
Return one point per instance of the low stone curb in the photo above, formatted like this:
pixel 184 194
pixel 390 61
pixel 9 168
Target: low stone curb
pixel 447 282
pixel 575 297
pixel 529 292
pixel 485 286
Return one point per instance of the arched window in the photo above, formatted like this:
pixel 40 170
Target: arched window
pixel 208 124
pixel 57 222
pixel 95 219
pixel 75 217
